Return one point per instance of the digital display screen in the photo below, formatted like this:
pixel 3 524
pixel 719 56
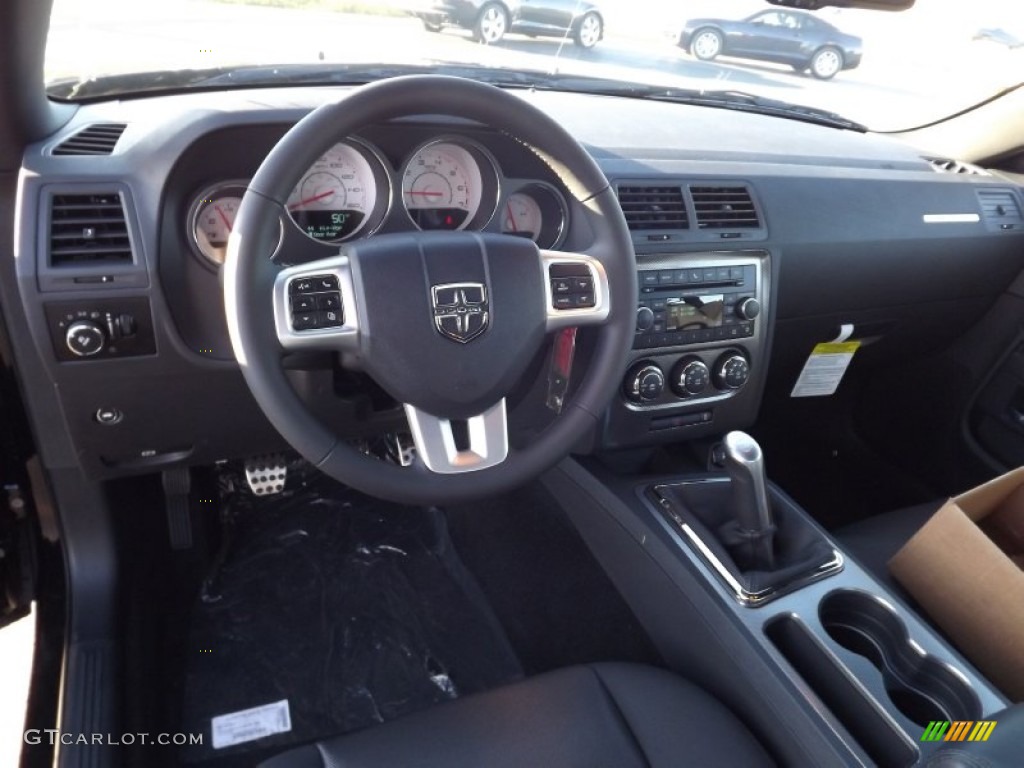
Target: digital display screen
pixel 691 313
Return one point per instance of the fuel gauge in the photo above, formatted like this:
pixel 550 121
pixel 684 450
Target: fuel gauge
pixel 211 218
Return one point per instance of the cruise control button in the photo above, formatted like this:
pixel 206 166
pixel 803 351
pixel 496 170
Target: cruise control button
pixel 582 284
pixel 562 302
pixel 561 285
pixel 328 301
pixel 304 321
pixel 328 319
pixel 303 303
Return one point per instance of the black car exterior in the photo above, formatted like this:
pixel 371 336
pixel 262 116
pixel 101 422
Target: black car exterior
pixel 798 39
pixel 489 20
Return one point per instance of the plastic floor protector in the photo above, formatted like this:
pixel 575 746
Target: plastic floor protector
pixel 329 612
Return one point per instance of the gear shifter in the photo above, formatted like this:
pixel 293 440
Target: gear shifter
pixel 744 463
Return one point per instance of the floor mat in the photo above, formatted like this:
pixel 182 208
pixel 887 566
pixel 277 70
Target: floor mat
pixel 352 610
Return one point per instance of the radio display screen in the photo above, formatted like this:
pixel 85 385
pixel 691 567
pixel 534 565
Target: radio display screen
pixel 694 312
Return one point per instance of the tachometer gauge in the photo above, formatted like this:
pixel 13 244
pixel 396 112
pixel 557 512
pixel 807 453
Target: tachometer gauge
pixel 535 211
pixel 211 217
pixel 442 186
pixel 335 198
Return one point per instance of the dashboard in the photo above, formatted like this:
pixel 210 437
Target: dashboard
pixel 756 238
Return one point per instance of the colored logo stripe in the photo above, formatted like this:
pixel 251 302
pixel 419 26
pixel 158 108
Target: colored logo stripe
pixel 958 730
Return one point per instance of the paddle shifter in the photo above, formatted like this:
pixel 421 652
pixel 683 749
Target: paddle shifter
pixel 744 463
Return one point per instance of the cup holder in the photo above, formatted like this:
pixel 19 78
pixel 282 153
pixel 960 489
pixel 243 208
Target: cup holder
pixel 920 686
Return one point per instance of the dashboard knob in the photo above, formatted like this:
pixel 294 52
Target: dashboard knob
pixel 732 370
pixel 748 308
pixel 644 319
pixel 85 338
pixel 690 377
pixel 644 382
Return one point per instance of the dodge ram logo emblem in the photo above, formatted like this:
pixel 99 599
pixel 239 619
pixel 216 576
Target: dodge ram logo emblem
pixel 460 310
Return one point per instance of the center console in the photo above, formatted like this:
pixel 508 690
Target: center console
pixel 745 594
pixel 699 353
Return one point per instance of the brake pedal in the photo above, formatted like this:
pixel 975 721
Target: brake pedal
pixel 266 474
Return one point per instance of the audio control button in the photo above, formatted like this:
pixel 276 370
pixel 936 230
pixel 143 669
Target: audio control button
pixel 644 319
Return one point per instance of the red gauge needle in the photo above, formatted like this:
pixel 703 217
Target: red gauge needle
pixel 424 194
pixel 511 217
pixel 223 218
pixel 312 199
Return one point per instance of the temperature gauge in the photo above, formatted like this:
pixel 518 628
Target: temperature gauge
pixel 211 218
pixel 536 211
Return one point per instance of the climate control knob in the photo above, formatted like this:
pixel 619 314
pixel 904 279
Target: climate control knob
pixel 731 370
pixel 644 382
pixel 690 377
pixel 748 308
pixel 84 338
pixel 644 319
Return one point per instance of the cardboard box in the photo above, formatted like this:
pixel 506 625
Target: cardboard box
pixel 964 568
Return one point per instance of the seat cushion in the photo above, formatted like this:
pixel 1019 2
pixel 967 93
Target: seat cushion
pixel 874 540
pixel 614 715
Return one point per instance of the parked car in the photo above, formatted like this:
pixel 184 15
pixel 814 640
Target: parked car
pixel 490 20
pixel 798 39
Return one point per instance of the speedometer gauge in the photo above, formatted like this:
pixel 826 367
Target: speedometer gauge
pixel 442 186
pixel 336 196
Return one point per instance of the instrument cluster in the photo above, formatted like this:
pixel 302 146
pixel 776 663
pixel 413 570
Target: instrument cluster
pixel 351 191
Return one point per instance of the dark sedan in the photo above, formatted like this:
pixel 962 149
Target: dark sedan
pixel 489 20
pixel 785 37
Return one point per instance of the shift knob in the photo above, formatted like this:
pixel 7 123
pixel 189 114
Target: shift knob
pixel 744 463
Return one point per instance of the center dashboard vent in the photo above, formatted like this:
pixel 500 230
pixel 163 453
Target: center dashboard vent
pixel 96 139
pixel 88 229
pixel 653 207
pixel 724 207
pixel 945 165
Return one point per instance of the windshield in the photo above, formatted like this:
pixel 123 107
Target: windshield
pixel 889 71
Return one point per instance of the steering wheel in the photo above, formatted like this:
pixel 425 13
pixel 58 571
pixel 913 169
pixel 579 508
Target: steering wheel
pixel 445 322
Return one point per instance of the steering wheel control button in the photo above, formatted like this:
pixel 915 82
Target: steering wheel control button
pixel 732 370
pixel 303 303
pixel 304 321
pixel 330 318
pixel 325 283
pixel 690 377
pixel 325 301
pixel 301 285
pixel 644 382
pixel 572 286
pixel 85 338
pixel 108 416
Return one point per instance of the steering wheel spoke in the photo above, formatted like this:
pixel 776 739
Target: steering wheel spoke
pixel 449 447
pixel 576 290
pixel 315 306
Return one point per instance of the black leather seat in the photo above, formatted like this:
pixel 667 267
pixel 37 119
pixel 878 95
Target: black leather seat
pixel 614 715
pixel 874 540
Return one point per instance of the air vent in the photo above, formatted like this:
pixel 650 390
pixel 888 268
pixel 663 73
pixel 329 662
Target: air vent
pixel 653 207
pixel 88 229
pixel 945 165
pixel 96 139
pixel 1000 208
pixel 724 207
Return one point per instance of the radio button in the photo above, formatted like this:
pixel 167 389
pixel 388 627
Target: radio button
pixel 644 319
pixel 747 328
pixel 709 275
pixel 723 275
pixel 736 273
pixel 682 277
pixel 748 308
pixel 649 279
pixel 696 276
pixel 666 277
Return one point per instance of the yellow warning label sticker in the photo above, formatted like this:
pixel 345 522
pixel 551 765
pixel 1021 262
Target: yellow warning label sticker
pixel 825 368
